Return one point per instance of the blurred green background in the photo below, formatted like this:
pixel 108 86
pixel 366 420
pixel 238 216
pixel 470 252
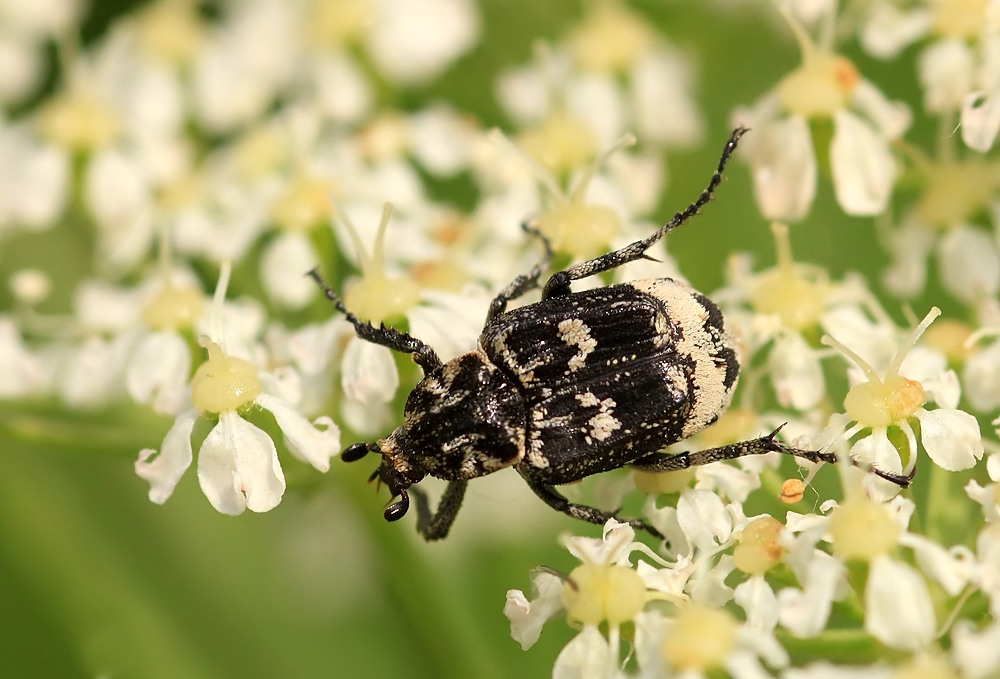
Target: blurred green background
pixel 97 581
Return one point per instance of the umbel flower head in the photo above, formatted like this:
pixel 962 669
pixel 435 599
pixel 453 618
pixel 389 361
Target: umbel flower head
pixel 238 464
pixel 825 88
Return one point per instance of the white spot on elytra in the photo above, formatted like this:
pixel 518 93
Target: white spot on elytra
pixel 575 332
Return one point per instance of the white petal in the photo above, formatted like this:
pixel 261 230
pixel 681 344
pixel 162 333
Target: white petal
pixel 528 617
pixel 587 656
pixel 598 102
pixel 898 609
pixel 890 118
pixel 165 470
pixel 804 612
pixel 158 369
pixel 758 600
pixel 238 467
pixel 888 29
pixel 863 168
pixel 980 120
pixel 664 110
pixel 283 266
pixel 946 71
pixel 343 90
pixel 986 496
pixel 795 372
pixel 441 140
pixel 304 441
pixel 969 263
pixel 876 450
pixel 951 437
pixel 703 518
pixel 977 652
pixel 369 372
pixel 20 371
pixel 710 589
pixel 908 246
pixel 950 569
pixel 411 41
pixel 981 378
pixel 784 168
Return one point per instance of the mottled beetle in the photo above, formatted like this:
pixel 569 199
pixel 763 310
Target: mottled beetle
pixel 575 384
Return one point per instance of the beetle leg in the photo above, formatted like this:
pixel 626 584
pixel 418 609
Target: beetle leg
pixel 524 282
pixel 550 496
pixel 662 462
pixel 403 342
pixel 558 283
pixel 437 526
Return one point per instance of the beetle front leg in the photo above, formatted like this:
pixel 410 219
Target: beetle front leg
pixel 558 283
pixel 436 527
pixel 550 496
pixel 524 282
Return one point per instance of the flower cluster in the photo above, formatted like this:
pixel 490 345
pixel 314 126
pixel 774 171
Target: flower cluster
pixel 235 147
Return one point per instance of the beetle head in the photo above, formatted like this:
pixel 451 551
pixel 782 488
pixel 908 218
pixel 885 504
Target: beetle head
pixel 393 471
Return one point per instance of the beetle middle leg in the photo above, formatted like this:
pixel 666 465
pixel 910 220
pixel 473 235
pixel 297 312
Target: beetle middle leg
pixel 550 496
pixel 436 526
pixel 558 283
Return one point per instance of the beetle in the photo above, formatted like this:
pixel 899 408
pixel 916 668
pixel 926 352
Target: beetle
pixel 575 384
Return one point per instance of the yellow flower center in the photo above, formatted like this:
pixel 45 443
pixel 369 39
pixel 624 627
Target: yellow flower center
pixel 580 230
pixel 597 592
pixel 862 529
pixel 304 204
pixel 258 152
pixel 610 38
pixel 820 86
pixel 956 192
pixel 377 297
pixel 560 144
pixel 701 639
pixel 961 19
pixel 174 308
pixel 785 292
pixel 171 30
pixel 925 665
pixel 334 23
pixel 78 121
pixel 949 337
pixel 223 383
pixel 879 404
pixel 758 549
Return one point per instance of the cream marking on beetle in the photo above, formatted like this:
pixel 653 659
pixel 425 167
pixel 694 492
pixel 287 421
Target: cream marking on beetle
pixel 603 424
pixel 709 395
pixel 575 332
pixel 587 398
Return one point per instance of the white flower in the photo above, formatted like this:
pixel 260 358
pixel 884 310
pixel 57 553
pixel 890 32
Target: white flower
pixel 949 436
pixel 238 464
pixel 780 150
pixel 898 608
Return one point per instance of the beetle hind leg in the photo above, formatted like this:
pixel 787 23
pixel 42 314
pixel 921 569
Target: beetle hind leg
pixel 662 462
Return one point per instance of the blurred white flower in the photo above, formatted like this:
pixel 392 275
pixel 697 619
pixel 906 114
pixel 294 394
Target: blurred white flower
pixel 780 150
